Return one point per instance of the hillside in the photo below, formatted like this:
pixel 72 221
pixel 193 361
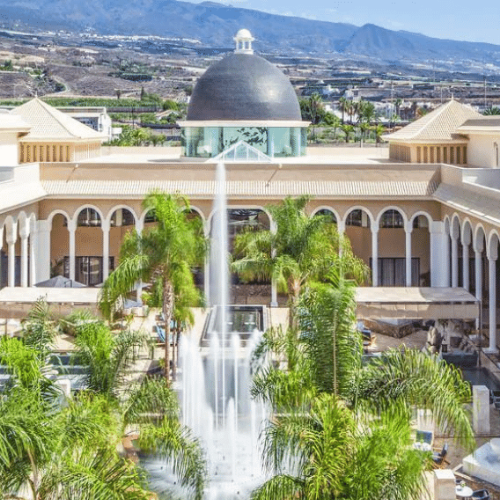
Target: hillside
pixel 213 25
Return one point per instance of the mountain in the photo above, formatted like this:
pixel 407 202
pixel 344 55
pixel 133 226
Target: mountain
pixel 214 25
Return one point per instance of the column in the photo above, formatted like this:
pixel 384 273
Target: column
pixel 465 265
pixel 274 289
pixel 42 250
pixel 454 261
pixel 72 248
pixel 478 265
pixel 439 255
pixel 408 230
pixel 32 254
pixel 24 233
pixel 11 243
pixel 341 231
pixel 374 256
pixel 139 226
pixel 492 267
pixel 1 243
pixel 105 226
pixel 478 268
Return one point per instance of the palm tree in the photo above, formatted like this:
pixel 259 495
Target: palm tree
pixel 332 121
pixel 368 112
pixel 301 250
pixel 492 111
pixel 166 251
pixel 341 429
pixel 379 131
pixel 343 107
pixel 330 452
pixel 348 130
pixel 70 451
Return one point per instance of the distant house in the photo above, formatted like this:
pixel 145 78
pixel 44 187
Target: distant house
pixel 95 117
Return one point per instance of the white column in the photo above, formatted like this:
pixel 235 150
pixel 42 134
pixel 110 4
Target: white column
pixel 454 261
pixel 72 248
pixel 465 266
pixel 42 251
pixel 1 241
pixel 408 230
pixel 24 258
pixel 439 255
pixel 478 268
pixel 11 243
pixel 492 266
pixel 139 226
pixel 478 265
pixel 32 253
pixel 274 288
pixel 105 226
pixel 341 231
pixel 374 256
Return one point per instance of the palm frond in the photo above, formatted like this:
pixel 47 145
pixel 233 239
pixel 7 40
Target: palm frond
pixel 176 444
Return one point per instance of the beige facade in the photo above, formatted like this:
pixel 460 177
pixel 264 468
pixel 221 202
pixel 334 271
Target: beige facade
pixel 422 222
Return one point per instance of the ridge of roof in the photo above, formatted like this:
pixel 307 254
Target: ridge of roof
pixel 48 122
pixel 439 124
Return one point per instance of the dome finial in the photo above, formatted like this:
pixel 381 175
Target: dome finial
pixel 244 41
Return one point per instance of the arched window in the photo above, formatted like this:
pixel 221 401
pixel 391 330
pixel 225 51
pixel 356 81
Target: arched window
pixel 89 217
pixel 391 219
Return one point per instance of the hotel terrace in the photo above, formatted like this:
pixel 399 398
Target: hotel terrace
pixel 423 213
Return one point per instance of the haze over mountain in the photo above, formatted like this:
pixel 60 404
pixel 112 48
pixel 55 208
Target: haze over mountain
pixel 215 24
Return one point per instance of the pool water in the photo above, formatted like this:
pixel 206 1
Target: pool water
pixel 481 376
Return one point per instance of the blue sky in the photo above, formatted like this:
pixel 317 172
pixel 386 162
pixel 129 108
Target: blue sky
pixel 477 21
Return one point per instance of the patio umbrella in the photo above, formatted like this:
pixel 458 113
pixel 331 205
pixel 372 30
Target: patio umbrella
pixel 60 282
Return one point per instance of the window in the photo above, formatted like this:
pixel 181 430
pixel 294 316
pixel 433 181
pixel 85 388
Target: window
pixel 88 217
pixel 150 217
pixel 391 219
pixel 122 217
pixel 392 271
pixel 88 269
pixel 327 213
pixel 419 154
pixel 358 218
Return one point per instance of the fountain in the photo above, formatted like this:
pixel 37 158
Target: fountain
pixel 215 383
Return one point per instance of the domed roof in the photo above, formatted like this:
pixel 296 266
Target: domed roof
pixel 243 87
pixel 244 33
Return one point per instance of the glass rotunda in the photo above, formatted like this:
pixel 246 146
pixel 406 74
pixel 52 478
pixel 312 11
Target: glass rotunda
pixel 244 100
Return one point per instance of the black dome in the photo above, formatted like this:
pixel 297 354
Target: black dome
pixel 243 87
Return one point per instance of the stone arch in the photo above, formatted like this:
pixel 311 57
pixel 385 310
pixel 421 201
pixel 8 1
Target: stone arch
pixel 391 224
pixel 466 233
pixel 210 217
pixel 479 238
pixel 118 207
pixel 455 226
pixel 58 211
pixel 421 213
pixel 396 209
pixel 492 246
pixel 359 207
pixel 330 209
pixel 83 207
pixel 89 247
pixel 421 247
